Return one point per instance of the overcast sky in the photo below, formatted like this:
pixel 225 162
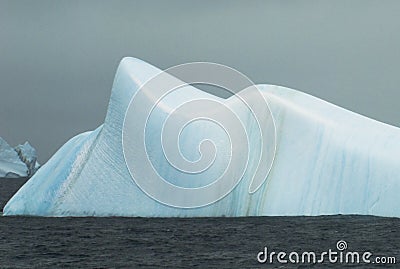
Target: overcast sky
pixel 58 58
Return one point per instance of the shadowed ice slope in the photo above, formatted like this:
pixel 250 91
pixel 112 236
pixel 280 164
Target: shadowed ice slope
pixel 328 161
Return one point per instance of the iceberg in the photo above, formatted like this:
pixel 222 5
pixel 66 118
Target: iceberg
pixel 10 163
pixel 20 161
pixel 28 155
pixel 327 160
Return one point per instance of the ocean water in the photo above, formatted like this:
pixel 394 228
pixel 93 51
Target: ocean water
pixel 33 242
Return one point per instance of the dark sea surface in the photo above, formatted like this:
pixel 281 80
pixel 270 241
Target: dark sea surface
pixel 33 242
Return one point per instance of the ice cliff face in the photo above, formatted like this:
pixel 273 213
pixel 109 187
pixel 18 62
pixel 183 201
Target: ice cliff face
pixel 328 161
pixel 28 155
pixel 20 161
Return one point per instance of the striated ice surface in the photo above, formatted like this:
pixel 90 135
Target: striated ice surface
pixel 328 161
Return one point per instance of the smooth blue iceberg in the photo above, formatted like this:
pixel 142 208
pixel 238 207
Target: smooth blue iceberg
pixel 328 161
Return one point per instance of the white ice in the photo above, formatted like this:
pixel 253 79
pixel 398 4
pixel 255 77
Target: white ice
pixel 328 161
pixel 10 164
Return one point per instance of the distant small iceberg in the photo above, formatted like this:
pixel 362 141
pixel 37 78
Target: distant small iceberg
pixel 328 160
pixel 20 161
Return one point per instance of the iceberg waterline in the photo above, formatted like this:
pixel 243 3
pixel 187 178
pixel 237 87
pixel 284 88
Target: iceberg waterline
pixel 328 161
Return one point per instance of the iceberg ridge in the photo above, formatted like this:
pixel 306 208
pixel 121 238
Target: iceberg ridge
pixel 328 161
